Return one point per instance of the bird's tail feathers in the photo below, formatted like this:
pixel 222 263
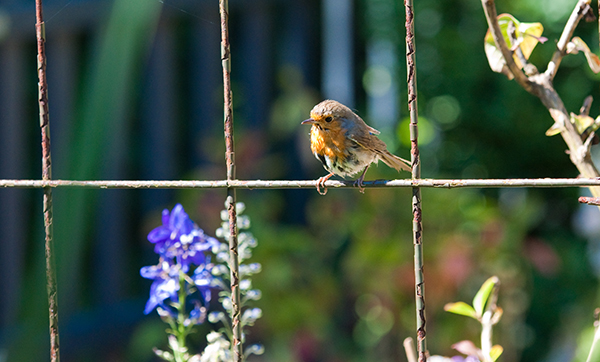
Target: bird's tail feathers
pixel 394 161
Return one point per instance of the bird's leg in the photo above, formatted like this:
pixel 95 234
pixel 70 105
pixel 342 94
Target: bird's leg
pixel 360 180
pixel 321 182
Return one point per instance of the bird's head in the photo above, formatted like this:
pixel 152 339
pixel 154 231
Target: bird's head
pixel 329 114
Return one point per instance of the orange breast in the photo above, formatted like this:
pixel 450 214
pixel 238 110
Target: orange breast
pixel 330 143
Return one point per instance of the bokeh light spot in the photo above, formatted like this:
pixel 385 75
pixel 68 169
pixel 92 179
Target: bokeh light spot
pixel 444 109
pixel 427 131
pixel 377 80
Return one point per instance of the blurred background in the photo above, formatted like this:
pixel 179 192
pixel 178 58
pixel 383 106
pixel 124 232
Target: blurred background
pixel 135 93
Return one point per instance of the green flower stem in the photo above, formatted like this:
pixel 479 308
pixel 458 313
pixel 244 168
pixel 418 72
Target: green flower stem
pixel 594 355
pixel 486 335
pixel 180 331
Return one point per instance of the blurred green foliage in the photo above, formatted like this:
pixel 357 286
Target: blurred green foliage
pixel 337 276
pixel 341 285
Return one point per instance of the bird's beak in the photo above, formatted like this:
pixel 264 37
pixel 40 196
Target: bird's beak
pixel 308 121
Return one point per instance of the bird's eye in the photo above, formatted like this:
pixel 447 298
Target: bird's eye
pixel 328 119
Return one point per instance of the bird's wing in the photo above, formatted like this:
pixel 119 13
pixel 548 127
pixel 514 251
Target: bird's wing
pixel 372 130
pixel 368 141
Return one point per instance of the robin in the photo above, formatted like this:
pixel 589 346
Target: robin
pixel 345 144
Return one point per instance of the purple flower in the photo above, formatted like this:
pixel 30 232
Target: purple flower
pixel 181 239
pixel 181 245
pixel 165 285
pixel 197 315
pixel 203 279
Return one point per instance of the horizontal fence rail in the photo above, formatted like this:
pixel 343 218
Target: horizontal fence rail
pixel 283 184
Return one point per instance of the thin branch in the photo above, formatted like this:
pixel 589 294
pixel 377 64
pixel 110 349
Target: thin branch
pixel 487 322
pixel 411 70
pixel 587 105
pixel 308 184
pixel 528 68
pixel 51 285
pixel 234 268
pixel 541 86
pixel 409 348
pixel 491 15
pixel 580 10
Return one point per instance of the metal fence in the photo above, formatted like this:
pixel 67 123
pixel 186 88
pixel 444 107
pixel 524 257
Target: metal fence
pixel 158 139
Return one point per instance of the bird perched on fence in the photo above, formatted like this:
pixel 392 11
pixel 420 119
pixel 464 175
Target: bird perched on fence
pixel 345 144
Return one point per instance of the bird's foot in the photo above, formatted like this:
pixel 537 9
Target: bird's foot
pixel 321 183
pixel 359 183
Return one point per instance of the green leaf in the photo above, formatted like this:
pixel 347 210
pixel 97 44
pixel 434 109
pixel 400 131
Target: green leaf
pixel 461 308
pixel 554 130
pixel 596 124
pixel 576 45
pixel 497 315
pixel 495 58
pixel 496 351
pixel 530 34
pixel 581 122
pixel 527 35
pixel 482 296
pixel 557 127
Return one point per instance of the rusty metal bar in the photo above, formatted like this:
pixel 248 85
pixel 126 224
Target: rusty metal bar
pixel 236 343
pixel 589 200
pixel 310 184
pixel 51 286
pixel 411 70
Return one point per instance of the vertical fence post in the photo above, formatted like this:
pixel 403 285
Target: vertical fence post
pixel 236 344
pixel 46 176
pixel 416 174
